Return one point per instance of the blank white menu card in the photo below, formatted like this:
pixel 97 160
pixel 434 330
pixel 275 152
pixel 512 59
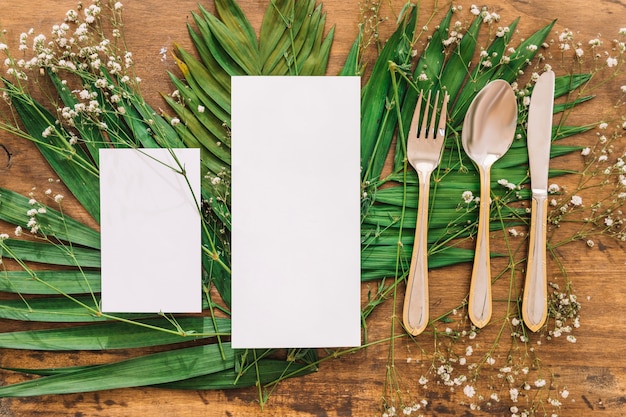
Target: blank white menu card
pixel 150 230
pixel 295 212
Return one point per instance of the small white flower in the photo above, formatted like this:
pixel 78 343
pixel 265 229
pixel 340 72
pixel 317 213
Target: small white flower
pixel 590 243
pixel 201 109
pixel 585 151
pixel 467 196
pixel 565 393
pixel 118 5
pixel 58 198
pixel 4 236
pixel 540 383
pixel 611 62
pixel 18 231
pixel 47 132
pixel 576 200
pixel 175 121
pixel 571 338
pixel 469 391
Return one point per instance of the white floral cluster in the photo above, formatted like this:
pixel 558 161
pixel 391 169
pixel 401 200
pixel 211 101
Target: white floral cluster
pixel 407 410
pixel 87 62
pixel 611 57
pixel 565 309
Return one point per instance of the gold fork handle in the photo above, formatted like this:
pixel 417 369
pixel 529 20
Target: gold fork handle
pixel 535 301
pixel 479 307
pixel 415 310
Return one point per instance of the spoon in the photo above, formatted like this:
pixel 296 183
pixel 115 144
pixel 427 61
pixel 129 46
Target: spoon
pixel 488 131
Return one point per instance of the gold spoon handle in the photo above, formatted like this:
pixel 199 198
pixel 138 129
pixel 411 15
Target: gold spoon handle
pixel 415 310
pixel 535 301
pixel 480 287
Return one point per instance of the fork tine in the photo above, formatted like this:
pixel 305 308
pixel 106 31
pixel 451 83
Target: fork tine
pixel 433 117
pixel 415 120
pixel 441 129
pixel 422 134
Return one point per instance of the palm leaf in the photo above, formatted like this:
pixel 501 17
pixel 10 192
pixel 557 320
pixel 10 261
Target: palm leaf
pixel 117 335
pixel 158 368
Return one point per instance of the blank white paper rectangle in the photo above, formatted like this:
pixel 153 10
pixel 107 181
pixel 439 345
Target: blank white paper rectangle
pixel 295 212
pixel 150 231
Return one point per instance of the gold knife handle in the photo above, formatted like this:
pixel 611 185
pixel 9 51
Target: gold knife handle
pixel 535 299
pixel 415 310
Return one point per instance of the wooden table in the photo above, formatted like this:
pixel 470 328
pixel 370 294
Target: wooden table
pixel 593 369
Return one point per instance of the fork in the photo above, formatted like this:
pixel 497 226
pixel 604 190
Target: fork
pixel 424 154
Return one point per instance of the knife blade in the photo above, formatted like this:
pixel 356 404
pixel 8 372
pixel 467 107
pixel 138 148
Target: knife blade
pixel 539 134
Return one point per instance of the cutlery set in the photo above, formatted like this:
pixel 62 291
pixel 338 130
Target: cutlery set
pixel 488 131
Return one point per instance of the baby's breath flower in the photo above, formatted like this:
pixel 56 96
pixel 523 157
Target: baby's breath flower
pixel 18 231
pixel 175 121
pixel 611 62
pixel 540 383
pixel 590 243
pixel 58 198
pixel 469 391
pixel 576 200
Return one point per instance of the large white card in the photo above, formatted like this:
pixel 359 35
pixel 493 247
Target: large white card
pixel 295 212
pixel 150 230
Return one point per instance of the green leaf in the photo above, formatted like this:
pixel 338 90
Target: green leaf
pixel 50 282
pixel 265 371
pixel 246 56
pixel 376 97
pixel 352 66
pixel 158 368
pixel 14 208
pixel 116 334
pixel 48 253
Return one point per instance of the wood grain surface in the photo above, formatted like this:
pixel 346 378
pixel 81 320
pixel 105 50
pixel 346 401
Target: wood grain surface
pixel 593 369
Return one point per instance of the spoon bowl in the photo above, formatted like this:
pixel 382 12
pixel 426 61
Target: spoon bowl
pixel 488 131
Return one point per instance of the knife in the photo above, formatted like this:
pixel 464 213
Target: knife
pixel 535 298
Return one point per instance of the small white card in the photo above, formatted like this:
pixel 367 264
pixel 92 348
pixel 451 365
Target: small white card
pixel 295 212
pixel 150 231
